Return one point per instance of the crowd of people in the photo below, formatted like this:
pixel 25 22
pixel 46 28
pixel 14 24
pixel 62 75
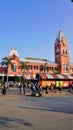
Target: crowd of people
pixel 36 87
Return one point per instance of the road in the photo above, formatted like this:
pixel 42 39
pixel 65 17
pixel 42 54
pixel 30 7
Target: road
pixel 24 112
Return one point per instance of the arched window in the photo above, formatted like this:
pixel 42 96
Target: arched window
pixel 47 68
pixel 35 67
pixel 30 67
pixel 52 68
pixel 41 67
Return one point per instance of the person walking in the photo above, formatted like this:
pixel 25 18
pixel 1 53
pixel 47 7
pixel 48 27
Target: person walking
pixel 47 87
pixel 20 87
pixel 3 89
pixel 24 86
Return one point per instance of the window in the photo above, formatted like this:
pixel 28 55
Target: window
pixel 47 68
pixel 64 52
pixel 65 67
pixel 35 67
pixel 30 67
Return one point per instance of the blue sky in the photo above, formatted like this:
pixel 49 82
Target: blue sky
pixel 31 26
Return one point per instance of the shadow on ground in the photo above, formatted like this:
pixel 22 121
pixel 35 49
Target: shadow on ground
pixel 7 122
pixel 50 109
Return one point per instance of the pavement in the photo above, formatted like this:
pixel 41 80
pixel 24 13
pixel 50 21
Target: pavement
pixel 19 112
pixel 58 93
pixel 52 111
pixel 15 92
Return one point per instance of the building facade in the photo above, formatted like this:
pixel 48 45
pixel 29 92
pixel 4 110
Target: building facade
pixel 62 64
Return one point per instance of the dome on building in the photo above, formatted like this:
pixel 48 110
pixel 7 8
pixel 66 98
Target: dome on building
pixel 13 52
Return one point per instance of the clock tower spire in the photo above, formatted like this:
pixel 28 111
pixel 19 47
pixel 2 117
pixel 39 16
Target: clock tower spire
pixel 62 53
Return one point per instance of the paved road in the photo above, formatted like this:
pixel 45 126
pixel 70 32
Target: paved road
pixel 27 90
pixel 36 113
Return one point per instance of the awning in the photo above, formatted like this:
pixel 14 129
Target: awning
pixel 69 76
pixel 51 76
pixel 55 76
pixel 59 76
pixel 2 69
pixel 43 76
pixel 29 76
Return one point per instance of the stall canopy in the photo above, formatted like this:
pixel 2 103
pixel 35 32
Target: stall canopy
pixel 29 76
pixel 43 76
pixel 35 76
pixel 55 77
pixel 59 76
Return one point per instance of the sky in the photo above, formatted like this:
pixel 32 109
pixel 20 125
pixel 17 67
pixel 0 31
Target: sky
pixel 31 26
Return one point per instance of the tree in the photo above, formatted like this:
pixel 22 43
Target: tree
pixel 24 67
pixel 43 67
pixel 6 62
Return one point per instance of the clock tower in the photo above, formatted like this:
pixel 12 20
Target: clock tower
pixel 62 56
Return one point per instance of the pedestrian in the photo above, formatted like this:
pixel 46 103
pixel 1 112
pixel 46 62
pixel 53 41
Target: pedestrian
pixel 32 85
pixel 3 89
pixel 24 86
pixel 47 87
pixel 33 89
pixel 20 87
pixel 51 87
pixel 39 88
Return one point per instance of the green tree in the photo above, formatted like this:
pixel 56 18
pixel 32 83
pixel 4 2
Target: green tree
pixel 18 79
pixel 43 68
pixel 24 66
pixel 5 63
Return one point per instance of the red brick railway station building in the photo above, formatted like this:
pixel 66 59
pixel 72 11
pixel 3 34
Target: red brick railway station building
pixel 62 66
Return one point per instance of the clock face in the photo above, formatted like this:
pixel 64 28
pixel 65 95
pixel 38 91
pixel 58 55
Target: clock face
pixel 57 49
